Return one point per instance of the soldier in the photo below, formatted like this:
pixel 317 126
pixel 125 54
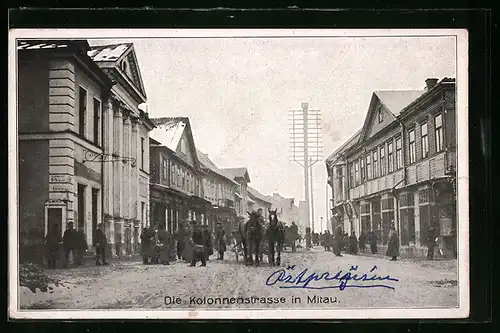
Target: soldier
pixel 146 245
pixel 393 245
pixel 101 243
pixel 353 243
pixel 362 242
pixel 294 231
pixel 220 240
pixel 164 245
pixel 69 243
pixel 372 239
pixel 199 250
pixel 207 236
pixel 337 241
pixel 431 242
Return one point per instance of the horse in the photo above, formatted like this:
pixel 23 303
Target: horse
pixel 275 234
pixel 251 236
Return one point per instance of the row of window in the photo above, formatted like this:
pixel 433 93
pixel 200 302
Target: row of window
pixel 180 176
pixel 217 191
pixel 376 164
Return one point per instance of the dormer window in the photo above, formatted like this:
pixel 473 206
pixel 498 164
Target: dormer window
pixel 183 146
pixel 380 115
pixel 124 66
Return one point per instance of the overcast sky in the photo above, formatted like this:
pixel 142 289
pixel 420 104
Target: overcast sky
pixel 237 92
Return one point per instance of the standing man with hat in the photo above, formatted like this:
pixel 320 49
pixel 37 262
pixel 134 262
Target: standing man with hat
pixel 199 250
pixel 220 240
pixel 101 243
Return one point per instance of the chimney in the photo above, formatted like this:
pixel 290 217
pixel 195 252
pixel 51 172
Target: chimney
pixel 430 83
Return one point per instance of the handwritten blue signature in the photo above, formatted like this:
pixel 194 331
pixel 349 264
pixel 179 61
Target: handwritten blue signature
pixel 303 279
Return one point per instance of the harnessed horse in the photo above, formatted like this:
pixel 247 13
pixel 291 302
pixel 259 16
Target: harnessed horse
pixel 251 236
pixel 275 234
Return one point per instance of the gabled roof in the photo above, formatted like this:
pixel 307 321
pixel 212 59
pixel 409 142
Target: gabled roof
pixel 169 130
pixel 394 102
pixel 257 195
pixel 209 164
pixel 235 173
pixel 344 147
pixel 110 57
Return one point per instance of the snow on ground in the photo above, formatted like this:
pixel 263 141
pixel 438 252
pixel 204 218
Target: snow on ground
pixel 132 285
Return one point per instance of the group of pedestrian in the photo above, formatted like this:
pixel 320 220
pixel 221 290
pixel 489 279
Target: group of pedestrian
pixel 74 243
pixel 192 243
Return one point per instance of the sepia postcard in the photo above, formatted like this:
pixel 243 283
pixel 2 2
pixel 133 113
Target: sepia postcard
pixel 238 174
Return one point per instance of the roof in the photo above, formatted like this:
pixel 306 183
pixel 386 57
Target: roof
pixel 208 163
pixel 346 145
pixel 237 173
pixel 169 130
pixel 396 100
pixel 108 52
pixel 257 195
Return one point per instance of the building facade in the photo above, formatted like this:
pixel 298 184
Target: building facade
pixel 257 200
pixel 125 155
pixel 288 211
pixel 61 93
pixel 177 193
pixel 220 190
pixel 399 170
pixel 240 176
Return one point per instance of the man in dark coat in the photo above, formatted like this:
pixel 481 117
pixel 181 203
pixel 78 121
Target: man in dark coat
pixel 337 241
pixel 372 239
pixel 199 242
pixel 101 244
pixel 328 240
pixel 69 243
pixel 315 237
pixel 345 242
pixel 353 243
pixel 220 240
pixel 209 246
pixel 362 242
pixel 393 245
pixel 146 244
pixel 163 245
pixel 431 242
pixel 52 247
pixel 180 237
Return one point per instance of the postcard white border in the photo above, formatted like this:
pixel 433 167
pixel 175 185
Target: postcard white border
pixel 362 313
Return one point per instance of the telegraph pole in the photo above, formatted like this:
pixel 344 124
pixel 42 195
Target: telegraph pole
pixel 306 163
pixel 312 196
pixel 306 150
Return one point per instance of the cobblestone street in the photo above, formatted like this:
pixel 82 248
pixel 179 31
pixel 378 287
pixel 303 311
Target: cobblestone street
pixel 130 284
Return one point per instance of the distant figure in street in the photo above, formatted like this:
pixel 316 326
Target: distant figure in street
pixel 362 242
pixel 372 239
pixel 101 243
pixel 163 237
pixel 69 243
pixel 52 247
pixel 353 243
pixel 220 240
pixel 393 245
pixel 207 236
pixel 345 242
pixel 294 231
pixel 146 244
pixel 181 236
pixel 328 240
pixel 199 242
pixel 81 247
pixel 337 241
pixel 431 242
pixel 315 238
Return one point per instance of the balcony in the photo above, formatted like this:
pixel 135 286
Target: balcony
pixel 427 169
pixel 376 185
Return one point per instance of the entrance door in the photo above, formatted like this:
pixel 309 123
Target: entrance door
pixel 54 222
pixel 95 195
pixel 81 207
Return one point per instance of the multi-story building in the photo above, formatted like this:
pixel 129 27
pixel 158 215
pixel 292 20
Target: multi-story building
pixel 241 176
pixel 69 144
pixel 287 210
pixel 257 200
pixel 219 189
pixel 398 171
pixel 125 148
pixel 177 193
